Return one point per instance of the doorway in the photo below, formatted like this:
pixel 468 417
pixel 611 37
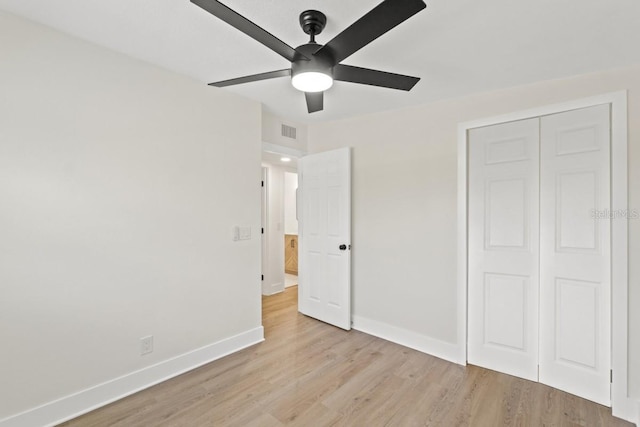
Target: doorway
pixel 280 225
pixel 324 211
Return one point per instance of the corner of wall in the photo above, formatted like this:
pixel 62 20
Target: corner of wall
pixel 272 288
pixel 434 347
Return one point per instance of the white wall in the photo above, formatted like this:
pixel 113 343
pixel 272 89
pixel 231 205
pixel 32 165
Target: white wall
pixel 272 132
pixel 119 187
pixel 404 204
pixel 290 187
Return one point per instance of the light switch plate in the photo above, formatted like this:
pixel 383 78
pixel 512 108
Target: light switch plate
pixel 245 233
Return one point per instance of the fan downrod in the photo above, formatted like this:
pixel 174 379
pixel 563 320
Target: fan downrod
pixel 312 22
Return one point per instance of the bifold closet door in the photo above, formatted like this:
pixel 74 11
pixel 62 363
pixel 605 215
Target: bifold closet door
pixel 503 249
pixel 539 285
pixel 575 252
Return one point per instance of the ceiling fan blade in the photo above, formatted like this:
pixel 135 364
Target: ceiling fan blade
pixel 367 76
pixel 253 78
pixel 315 101
pixel 378 21
pixel 241 23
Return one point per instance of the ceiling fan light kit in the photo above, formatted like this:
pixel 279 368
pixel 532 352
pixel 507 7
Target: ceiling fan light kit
pixel 314 67
pixel 311 73
pixel 311 81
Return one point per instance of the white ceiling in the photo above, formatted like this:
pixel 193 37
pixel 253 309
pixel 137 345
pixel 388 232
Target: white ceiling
pixel 457 47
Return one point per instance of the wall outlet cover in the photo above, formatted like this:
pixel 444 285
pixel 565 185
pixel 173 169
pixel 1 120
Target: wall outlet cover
pixel 146 345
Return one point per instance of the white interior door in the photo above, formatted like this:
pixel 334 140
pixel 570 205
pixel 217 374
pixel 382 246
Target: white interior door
pixel 503 248
pixel 324 264
pixel 575 262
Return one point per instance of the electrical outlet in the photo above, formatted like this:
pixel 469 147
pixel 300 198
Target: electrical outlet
pixel 146 345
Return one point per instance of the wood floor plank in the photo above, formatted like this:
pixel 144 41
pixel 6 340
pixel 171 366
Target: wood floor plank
pixel 308 373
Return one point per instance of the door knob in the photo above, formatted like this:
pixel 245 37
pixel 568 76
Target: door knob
pixel 342 247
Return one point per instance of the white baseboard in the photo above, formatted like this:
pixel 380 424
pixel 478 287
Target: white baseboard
pixel 425 344
pixel 624 407
pixel 74 405
pixel 635 416
pixel 628 411
pixel 272 289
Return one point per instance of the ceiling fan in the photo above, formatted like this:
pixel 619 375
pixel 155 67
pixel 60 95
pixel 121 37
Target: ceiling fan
pixel 314 67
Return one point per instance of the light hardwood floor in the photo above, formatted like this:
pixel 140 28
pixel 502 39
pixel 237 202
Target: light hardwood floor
pixel 308 373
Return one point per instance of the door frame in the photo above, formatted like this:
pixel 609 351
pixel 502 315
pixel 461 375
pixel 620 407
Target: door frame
pixel 264 221
pixel 622 406
pixel 267 236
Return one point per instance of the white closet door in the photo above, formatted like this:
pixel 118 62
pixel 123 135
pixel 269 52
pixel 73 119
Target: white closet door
pixel 575 253
pixel 503 247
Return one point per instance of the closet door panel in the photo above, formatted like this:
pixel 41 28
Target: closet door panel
pixel 503 247
pixel 575 252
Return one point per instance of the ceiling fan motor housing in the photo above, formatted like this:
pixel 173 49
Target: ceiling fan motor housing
pixel 305 61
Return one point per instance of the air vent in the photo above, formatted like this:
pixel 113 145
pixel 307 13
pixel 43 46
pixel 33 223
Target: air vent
pixel 288 131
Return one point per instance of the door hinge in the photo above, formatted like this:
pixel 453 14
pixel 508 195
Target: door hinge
pixel 611 376
pixel 262 230
pixel 262 277
pixel 261 183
